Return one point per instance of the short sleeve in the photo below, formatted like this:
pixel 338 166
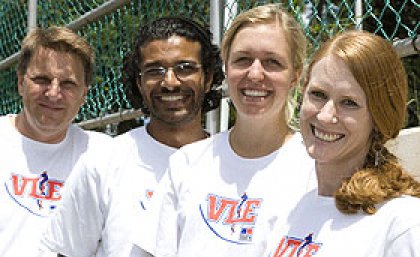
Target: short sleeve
pixel 168 233
pixel 75 228
pixel 406 244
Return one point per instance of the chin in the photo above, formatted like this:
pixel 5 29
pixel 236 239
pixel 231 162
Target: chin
pixel 315 154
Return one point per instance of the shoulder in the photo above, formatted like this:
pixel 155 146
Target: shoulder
pixel 296 142
pixel 402 214
pixel 198 150
pixel 88 135
pixel 96 150
pixel 198 153
pixel 203 145
pixel 294 151
pixel 401 205
pixel 95 145
pixel 137 139
pixel 127 141
pixel 132 135
pixel 6 126
pixel 3 120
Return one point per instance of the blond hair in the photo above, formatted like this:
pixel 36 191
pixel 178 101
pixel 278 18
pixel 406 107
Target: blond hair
pixel 58 39
pixel 292 30
pixel 380 73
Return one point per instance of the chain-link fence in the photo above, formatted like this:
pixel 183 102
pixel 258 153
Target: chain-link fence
pixel 110 26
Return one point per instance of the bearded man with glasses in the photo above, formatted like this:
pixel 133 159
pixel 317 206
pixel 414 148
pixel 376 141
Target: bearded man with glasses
pixel 174 75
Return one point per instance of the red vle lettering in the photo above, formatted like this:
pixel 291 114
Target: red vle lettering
pixel 217 206
pixel 54 189
pixel 289 246
pixel 311 249
pixel 19 190
pixel 22 184
pixel 279 248
pixel 250 205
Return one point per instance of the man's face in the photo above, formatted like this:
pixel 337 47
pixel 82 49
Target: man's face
pixel 172 81
pixel 53 90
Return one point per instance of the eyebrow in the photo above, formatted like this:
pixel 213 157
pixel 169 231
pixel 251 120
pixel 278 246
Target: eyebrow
pixel 38 75
pixel 151 64
pixel 160 63
pixel 265 54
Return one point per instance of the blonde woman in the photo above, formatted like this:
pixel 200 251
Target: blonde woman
pixel 224 193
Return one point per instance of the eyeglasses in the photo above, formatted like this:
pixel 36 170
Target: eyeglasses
pixel 181 70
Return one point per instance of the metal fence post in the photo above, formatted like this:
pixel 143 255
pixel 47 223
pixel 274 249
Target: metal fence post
pixel 213 117
pixel 358 12
pixel 231 6
pixel 32 6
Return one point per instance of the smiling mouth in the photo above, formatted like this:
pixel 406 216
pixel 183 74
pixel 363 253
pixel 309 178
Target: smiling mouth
pixel 171 98
pixel 52 107
pixel 255 93
pixel 324 136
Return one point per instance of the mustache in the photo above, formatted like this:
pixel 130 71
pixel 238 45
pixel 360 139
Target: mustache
pixel 173 90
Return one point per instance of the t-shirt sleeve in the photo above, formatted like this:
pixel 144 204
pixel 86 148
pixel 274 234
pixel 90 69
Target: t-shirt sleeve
pixel 404 232
pixel 75 227
pixel 146 221
pixel 168 232
pixel 407 244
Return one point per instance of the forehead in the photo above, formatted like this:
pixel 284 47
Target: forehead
pixel 47 60
pixel 331 68
pixel 334 72
pixel 270 39
pixel 171 50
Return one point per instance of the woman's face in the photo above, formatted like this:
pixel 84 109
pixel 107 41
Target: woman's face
pixel 335 120
pixel 259 71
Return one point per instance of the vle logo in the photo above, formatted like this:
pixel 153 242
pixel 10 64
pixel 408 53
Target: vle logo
pixel 39 195
pixel 148 197
pixel 232 220
pixel 296 247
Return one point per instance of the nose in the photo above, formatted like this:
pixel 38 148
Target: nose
pixel 256 71
pixel 170 79
pixel 54 91
pixel 328 113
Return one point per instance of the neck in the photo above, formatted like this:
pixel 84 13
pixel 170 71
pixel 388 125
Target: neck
pixel 22 125
pixel 253 140
pixel 176 135
pixel 331 176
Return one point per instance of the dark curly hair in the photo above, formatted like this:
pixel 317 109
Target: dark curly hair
pixel 164 28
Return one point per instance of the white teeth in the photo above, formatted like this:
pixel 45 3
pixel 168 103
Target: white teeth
pixel 171 98
pixel 255 93
pixel 325 136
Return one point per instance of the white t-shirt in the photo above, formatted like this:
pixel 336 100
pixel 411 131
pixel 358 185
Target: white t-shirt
pixel 105 199
pixel 32 175
pixel 316 228
pixel 217 203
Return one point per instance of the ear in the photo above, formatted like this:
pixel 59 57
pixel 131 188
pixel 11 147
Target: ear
pixel 21 83
pixel 208 81
pixel 84 95
pixel 295 79
pixel 139 85
pixel 85 92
